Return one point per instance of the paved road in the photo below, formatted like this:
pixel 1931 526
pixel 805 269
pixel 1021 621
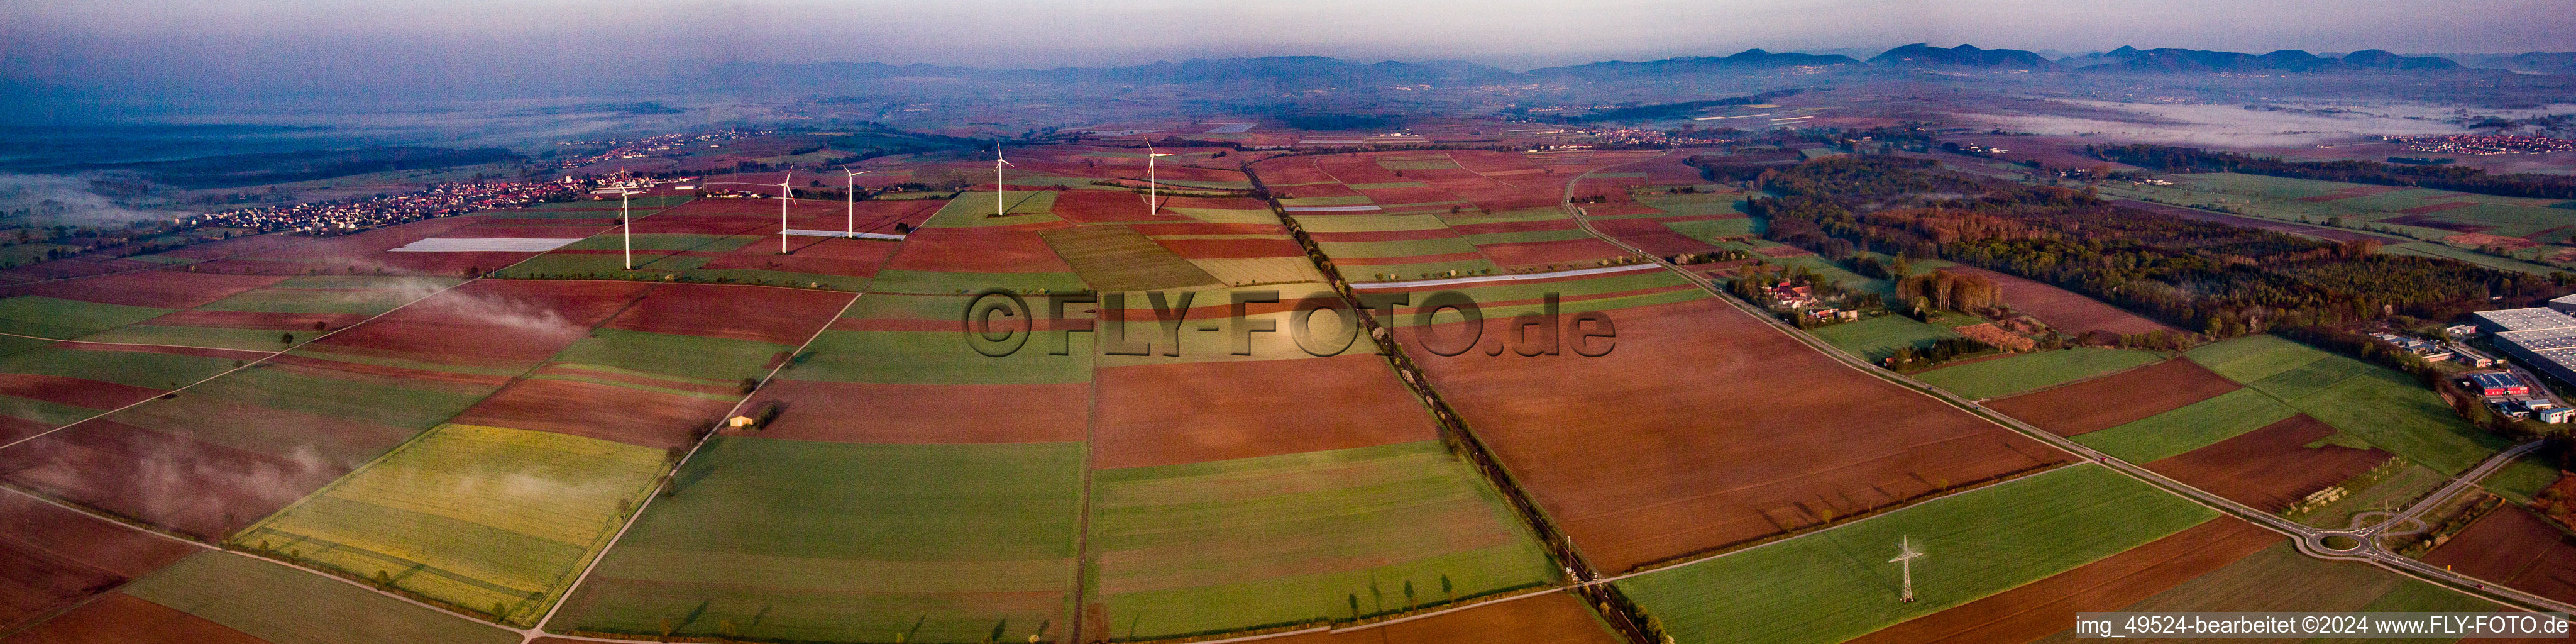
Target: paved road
pixel 2309 540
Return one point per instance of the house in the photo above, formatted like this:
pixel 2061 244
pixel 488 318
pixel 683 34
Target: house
pixel 2461 330
pixel 2554 415
pixel 2498 384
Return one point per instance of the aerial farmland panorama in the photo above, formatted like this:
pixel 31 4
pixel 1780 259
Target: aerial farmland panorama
pixel 1414 322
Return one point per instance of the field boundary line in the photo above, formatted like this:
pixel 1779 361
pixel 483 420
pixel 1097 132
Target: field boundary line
pixel 670 477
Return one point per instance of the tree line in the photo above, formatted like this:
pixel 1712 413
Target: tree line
pixel 2167 158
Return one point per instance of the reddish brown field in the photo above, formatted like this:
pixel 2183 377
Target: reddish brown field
pixel 1514 227
pixel 2049 605
pixel 75 267
pixel 991 249
pixel 1553 618
pixel 816 255
pixel 488 322
pixel 77 392
pixel 625 415
pixel 159 289
pixel 1166 414
pixel 2514 547
pixel 51 557
pixel 1651 236
pixel 2108 401
pixel 849 412
pixel 757 313
pixel 2068 311
pixel 289 360
pixel 2270 468
pixel 1408 259
pixel 1231 248
pixel 119 618
pixel 257 320
pixel 194 487
pixel 1550 252
pixel 1704 428
pixel 2432 208
pixel 1095 206
pixel 1384 235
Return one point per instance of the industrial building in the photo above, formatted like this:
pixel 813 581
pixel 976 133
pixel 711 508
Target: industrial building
pixel 2543 339
pixel 2498 384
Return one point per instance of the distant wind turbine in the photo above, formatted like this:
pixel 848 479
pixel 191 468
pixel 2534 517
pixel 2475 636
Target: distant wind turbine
pixel 1153 182
pixel 786 194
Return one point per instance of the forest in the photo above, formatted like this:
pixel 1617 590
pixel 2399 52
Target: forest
pixel 2166 158
pixel 2222 279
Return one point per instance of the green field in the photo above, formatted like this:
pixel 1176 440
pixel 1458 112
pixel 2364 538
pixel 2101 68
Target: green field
pixel 2016 374
pixel 930 357
pixel 834 542
pixel 137 368
pixel 1837 584
pixel 360 295
pixel 2391 494
pixel 974 209
pixel 2386 408
pixel 490 519
pixel 1709 230
pixel 2524 477
pixel 689 356
pixel 2189 427
pixel 1877 338
pixel 61 319
pixel 1231 545
pixel 289 606
pixel 942 282
pixel 193 336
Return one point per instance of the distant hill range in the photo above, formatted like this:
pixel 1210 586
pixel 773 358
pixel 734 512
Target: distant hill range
pixel 1923 55
pixel 1283 71
pixel 1750 59
pixel 2132 59
pixel 2538 62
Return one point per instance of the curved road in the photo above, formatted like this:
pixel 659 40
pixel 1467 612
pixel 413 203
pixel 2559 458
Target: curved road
pixel 2310 540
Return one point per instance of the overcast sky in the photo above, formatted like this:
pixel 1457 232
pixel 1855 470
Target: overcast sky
pixel 1512 33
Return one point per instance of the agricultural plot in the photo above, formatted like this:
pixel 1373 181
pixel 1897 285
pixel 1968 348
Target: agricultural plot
pixel 1553 618
pixel 256 319
pixel 839 542
pixel 1396 526
pixel 2271 467
pixel 1877 338
pixel 2383 407
pixel 49 385
pixel 737 241
pixel 941 259
pixel 2110 401
pixel 229 598
pixel 2020 373
pixel 1837 584
pixel 1684 485
pixel 222 454
pixel 2279 578
pixel 371 252
pixel 2514 547
pixel 2186 428
pixel 489 520
pixel 2048 605
pixel 1113 257
pixel 2065 310
pixel 52 558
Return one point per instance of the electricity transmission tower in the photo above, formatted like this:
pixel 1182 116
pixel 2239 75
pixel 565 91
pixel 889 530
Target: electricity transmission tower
pixel 1906 555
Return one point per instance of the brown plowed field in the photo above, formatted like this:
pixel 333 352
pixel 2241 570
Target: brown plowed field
pixel 158 289
pixel 257 320
pixel 77 392
pixel 1408 259
pixel 605 412
pixel 2067 310
pixel 756 313
pixel 425 375
pixel 1157 230
pixel 1096 206
pixel 991 249
pixel 1232 248
pixel 1384 235
pixel 489 322
pixel 2270 468
pixel 1550 252
pixel 50 557
pixel 1553 618
pixel 1705 427
pixel 13 428
pixel 191 486
pixel 1514 226
pixel 2514 547
pixel 1165 414
pixel 849 412
pixel 119 618
pixel 2049 605
pixel 2108 401
pixel 1651 236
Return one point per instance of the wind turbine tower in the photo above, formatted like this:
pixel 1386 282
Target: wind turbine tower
pixel 626 225
pixel 1906 554
pixel 998 188
pixel 786 193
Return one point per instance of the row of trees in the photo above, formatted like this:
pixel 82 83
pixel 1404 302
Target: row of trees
pixel 1953 291
pixel 2167 158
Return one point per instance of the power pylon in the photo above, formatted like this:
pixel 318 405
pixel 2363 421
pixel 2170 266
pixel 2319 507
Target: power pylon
pixel 1905 556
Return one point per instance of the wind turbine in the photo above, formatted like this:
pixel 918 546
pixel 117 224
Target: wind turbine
pixel 626 225
pixel 786 194
pixel 998 188
pixel 850 193
pixel 1153 182
pixel 1906 555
